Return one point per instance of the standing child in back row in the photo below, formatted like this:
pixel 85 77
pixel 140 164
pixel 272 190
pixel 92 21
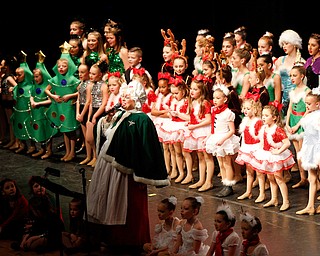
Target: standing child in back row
pixel 296 109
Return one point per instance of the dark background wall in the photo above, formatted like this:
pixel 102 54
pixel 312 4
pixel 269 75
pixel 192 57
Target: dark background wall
pixel 32 27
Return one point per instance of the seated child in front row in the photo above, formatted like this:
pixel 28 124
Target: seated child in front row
pixel 165 231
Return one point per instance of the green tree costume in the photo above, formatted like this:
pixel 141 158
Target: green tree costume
pixel 63 114
pixel 21 108
pixel 38 126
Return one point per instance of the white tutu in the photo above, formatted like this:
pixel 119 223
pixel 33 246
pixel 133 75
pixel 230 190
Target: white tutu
pixel 229 147
pixel 195 139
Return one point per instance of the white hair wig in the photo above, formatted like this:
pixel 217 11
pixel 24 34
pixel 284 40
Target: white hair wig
pixel 136 91
pixel 292 37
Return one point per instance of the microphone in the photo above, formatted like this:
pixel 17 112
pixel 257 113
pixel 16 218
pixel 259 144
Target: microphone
pixel 114 108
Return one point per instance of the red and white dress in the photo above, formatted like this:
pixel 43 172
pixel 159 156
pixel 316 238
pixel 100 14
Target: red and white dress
pixel 151 98
pixel 219 127
pixel 249 139
pixel 163 102
pixel 263 160
pixel 195 139
pixel 173 129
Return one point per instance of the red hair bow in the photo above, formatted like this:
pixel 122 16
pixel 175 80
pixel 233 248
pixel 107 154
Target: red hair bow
pixel 198 77
pixel 175 81
pixel 166 42
pixel 276 104
pixel 116 74
pixel 165 75
pixel 139 71
pixel 254 96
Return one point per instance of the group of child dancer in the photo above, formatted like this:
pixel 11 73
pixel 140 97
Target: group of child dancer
pixel 189 121
pixel 187 236
pixel 230 109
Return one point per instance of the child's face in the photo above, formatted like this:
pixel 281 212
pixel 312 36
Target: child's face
pixel 38 190
pixel 167 53
pixel 20 75
pixel 163 211
pixel 219 98
pixel 253 79
pixel 247 109
pixel 176 92
pixel 262 64
pixel 74 50
pixel 312 103
pixel 114 85
pixel 74 210
pixel 195 92
pixel 92 42
pixel 207 70
pixel 263 47
pixel 63 67
pixel 267 118
pixel 179 66
pixel 227 48
pixel 9 189
pixel 220 224
pixel 187 212
pixel 198 50
pixel 133 59
pixel 37 77
pixel 95 74
pixel 295 76
pixel 236 60
pixel 163 86
pixel 246 230
pixel 83 72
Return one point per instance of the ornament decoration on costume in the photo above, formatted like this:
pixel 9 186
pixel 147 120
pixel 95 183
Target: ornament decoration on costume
pixel 21 91
pixel 38 90
pixel 35 126
pixel 41 56
pixel 65 47
pixel 62 118
pixel 63 82
pixel 23 56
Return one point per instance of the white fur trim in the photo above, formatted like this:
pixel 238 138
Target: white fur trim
pixel 228 182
